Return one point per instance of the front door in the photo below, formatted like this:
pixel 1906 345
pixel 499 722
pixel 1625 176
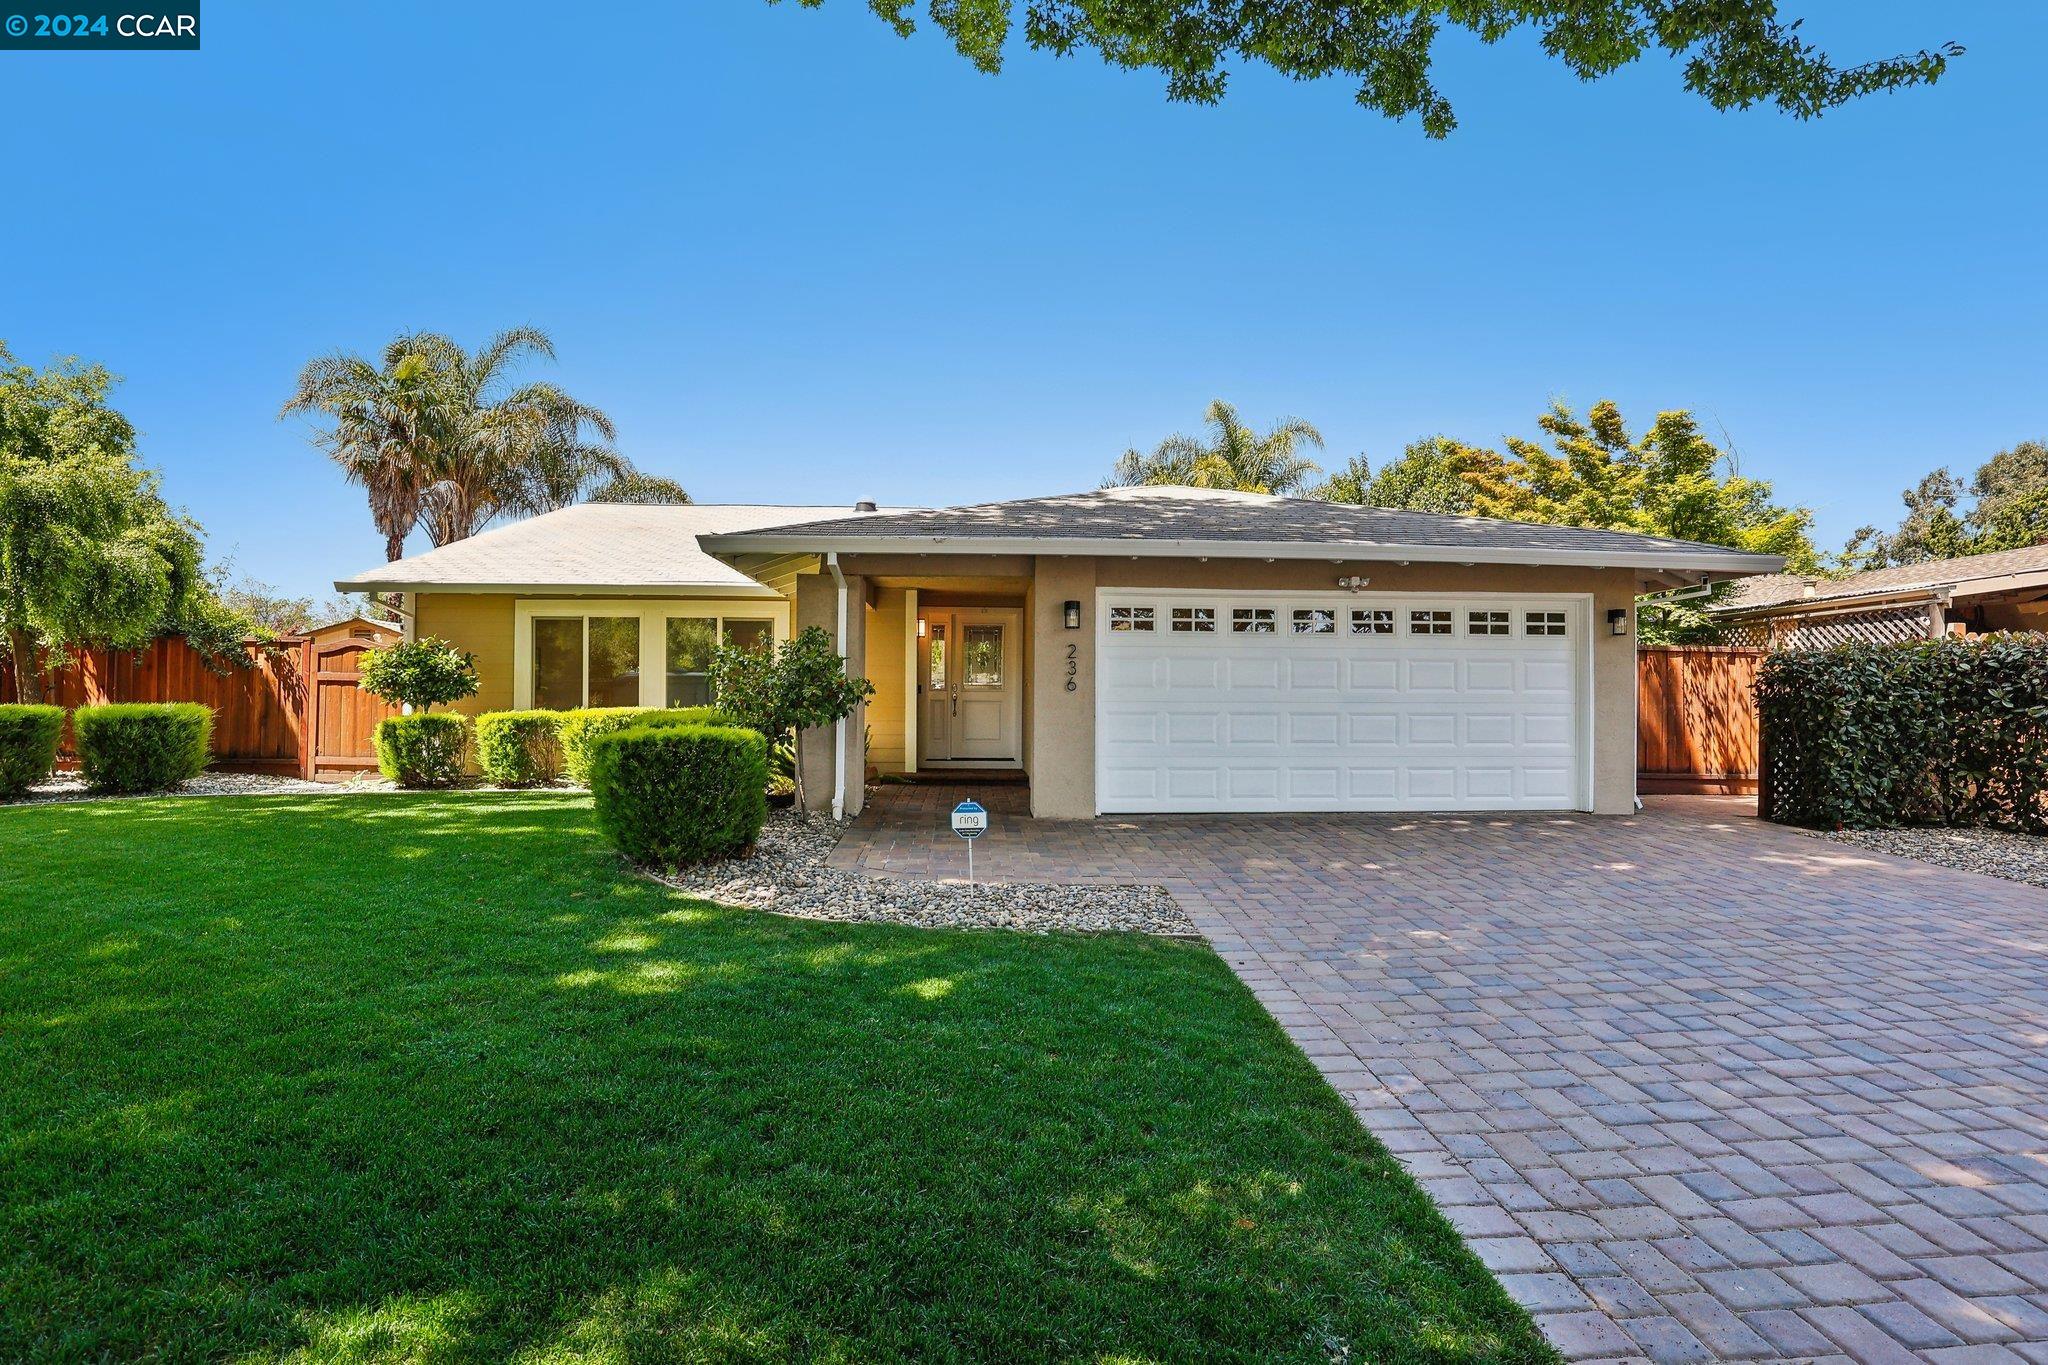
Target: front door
pixel 973 691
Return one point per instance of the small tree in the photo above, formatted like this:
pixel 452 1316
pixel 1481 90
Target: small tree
pixel 90 554
pixel 421 674
pixel 800 686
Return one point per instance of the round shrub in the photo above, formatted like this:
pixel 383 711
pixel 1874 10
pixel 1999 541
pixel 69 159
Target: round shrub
pixel 142 746
pixel 519 748
pixel 669 794
pixel 29 736
pixel 424 750
pixel 581 728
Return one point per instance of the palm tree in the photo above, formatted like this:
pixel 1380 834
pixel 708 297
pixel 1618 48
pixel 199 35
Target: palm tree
pixel 389 422
pixel 511 452
pixel 1234 457
pixel 437 436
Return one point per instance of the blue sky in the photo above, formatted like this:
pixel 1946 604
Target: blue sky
pixel 799 259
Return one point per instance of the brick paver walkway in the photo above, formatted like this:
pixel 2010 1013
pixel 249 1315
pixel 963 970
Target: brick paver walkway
pixel 1693 1086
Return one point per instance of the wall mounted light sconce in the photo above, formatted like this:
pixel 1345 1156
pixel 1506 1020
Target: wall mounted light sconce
pixel 920 627
pixel 1617 620
pixel 1071 612
pixel 1354 583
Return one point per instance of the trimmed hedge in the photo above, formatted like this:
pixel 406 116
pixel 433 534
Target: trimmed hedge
pixel 582 728
pixel 671 794
pixel 29 736
pixel 425 750
pixel 519 748
pixel 1932 732
pixel 142 746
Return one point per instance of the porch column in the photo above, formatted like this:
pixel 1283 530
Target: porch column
pixel 817 604
pixel 1062 762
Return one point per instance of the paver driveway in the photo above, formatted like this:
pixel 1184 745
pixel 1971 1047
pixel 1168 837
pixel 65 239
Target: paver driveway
pixel 1695 1087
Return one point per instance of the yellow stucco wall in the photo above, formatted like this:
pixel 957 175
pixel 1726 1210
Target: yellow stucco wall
pixel 884 669
pixel 482 624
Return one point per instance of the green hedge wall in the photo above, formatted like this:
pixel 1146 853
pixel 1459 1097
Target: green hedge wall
pixel 142 746
pixel 1933 732
pixel 671 794
pixel 582 728
pixel 424 750
pixel 519 748
pixel 29 736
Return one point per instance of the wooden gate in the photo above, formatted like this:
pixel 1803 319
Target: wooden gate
pixel 1696 726
pixel 342 718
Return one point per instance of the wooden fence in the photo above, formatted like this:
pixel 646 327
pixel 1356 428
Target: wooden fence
pixel 295 710
pixel 1696 728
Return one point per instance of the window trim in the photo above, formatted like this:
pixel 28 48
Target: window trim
pixel 653 613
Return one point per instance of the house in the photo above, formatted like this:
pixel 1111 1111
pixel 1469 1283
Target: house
pixel 1975 594
pixel 1127 649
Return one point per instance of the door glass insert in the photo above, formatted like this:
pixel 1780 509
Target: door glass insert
pixel 1429 623
pixel 1372 621
pixel 1315 621
pixel 1486 622
pixel 982 656
pixel 935 678
pixel 558 663
pixel 1130 618
pixel 1251 620
pixel 689 659
pixel 614 661
pixel 744 634
pixel 1200 620
pixel 1543 623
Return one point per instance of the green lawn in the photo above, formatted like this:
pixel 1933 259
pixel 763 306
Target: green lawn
pixel 431 1078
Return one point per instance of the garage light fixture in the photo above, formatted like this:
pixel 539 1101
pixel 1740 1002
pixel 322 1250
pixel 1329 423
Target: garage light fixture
pixel 1071 612
pixel 920 627
pixel 1354 583
pixel 1617 620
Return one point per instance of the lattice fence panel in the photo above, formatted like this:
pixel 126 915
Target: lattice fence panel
pixel 1747 635
pixel 1894 626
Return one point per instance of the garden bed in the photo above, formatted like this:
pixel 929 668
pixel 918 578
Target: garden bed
pixel 70 786
pixel 1993 852
pixel 788 874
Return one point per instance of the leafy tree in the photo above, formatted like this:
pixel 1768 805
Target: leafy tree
pixel 649 490
pixel 2006 496
pixel 1736 53
pixel 1670 481
pixel 1234 457
pixel 800 685
pixel 421 674
pixel 1427 478
pixel 90 554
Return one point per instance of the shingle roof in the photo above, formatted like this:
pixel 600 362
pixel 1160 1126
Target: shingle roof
pixel 1171 519
pixel 1775 590
pixel 593 546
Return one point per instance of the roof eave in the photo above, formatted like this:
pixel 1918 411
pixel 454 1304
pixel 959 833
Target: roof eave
pixel 746 590
pixel 1732 562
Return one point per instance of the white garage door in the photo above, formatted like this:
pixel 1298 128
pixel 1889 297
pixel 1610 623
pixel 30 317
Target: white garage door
pixel 1305 702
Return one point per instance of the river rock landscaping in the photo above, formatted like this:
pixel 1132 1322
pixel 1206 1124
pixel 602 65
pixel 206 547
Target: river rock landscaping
pixel 787 874
pixel 1993 852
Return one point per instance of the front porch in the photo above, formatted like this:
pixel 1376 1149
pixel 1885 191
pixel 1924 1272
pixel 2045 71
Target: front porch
pixel 951 660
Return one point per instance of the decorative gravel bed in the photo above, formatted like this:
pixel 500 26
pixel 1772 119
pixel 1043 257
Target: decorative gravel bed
pixel 1994 852
pixel 71 787
pixel 786 874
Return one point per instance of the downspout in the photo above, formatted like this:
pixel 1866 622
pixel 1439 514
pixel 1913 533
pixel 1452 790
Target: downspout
pixel 839 726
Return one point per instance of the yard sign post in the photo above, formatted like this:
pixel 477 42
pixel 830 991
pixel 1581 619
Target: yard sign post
pixel 970 822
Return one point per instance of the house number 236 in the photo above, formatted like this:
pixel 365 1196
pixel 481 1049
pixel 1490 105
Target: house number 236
pixel 1073 668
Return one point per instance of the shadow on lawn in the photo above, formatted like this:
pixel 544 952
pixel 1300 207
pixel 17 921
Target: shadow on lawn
pixel 502 1100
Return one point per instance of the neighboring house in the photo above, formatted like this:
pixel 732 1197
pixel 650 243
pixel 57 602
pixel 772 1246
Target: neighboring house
pixel 1972 595
pixel 1127 649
